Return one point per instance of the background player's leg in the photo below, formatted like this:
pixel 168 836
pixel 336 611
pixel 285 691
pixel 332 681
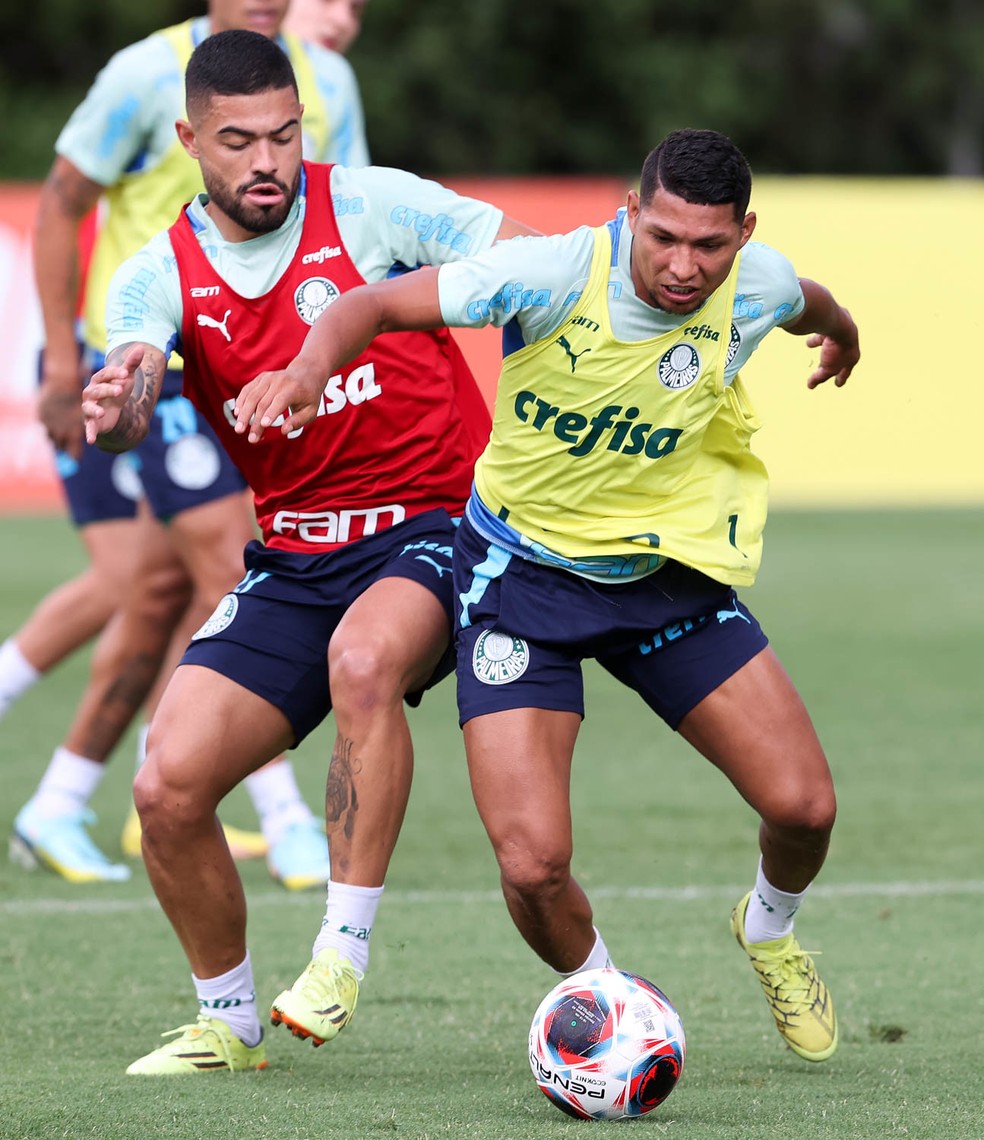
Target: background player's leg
pixel 73 613
pixel 50 828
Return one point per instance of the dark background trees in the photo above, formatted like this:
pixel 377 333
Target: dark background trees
pixel 881 87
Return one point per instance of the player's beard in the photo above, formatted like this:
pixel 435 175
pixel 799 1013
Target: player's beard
pixel 253 219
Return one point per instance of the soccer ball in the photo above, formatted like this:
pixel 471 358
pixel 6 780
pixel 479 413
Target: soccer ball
pixel 606 1044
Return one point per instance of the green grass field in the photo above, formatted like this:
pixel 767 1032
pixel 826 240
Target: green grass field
pixel 880 619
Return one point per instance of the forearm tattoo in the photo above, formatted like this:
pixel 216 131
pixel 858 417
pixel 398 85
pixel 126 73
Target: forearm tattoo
pixel 134 421
pixel 341 800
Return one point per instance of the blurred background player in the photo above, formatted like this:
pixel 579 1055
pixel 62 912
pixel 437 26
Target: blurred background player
pixel 334 24
pixel 163 529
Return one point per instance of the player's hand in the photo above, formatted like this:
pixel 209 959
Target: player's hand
pixel 59 400
pixel 287 399
pixel 838 356
pixel 107 392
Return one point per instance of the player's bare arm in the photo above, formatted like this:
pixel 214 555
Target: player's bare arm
pixel 339 334
pixel 66 197
pixel 829 327
pixel 121 396
pixel 510 228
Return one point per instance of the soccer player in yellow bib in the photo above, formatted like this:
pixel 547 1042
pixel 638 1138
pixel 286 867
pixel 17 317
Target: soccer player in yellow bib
pixel 615 508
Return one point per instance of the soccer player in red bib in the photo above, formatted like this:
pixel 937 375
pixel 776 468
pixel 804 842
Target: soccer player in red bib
pixel 346 602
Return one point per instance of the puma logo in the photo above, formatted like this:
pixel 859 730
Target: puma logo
pixel 208 322
pixel 565 345
pixel 727 615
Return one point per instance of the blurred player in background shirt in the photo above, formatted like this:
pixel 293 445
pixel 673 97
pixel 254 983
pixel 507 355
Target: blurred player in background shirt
pixel 171 520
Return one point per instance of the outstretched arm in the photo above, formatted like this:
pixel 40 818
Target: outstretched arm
pixel 830 328
pixel 121 396
pixel 338 335
pixel 66 197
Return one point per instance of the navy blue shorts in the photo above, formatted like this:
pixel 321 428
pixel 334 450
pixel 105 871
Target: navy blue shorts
pixel 180 465
pixel 271 634
pixel 522 631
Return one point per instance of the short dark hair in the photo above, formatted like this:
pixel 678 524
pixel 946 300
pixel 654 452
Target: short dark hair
pixel 703 167
pixel 236 62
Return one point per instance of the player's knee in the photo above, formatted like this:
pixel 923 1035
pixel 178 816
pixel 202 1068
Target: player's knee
pixel 363 675
pixel 532 872
pixel 163 595
pixel 809 815
pixel 168 801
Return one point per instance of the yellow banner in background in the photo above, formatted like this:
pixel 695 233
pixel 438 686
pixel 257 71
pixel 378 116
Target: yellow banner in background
pixel 906 258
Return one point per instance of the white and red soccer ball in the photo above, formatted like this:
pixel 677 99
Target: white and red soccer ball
pixel 606 1044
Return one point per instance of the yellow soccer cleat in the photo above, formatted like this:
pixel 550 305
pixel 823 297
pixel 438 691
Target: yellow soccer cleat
pixel 322 1000
pixel 299 858
pixel 242 844
pixel 62 844
pixel 130 839
pixel 208 1046
pixel 797 997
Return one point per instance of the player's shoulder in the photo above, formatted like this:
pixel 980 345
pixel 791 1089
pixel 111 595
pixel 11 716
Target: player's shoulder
pixel 579 240
pixel 766 263
pixel 384 179
pixel 384 191
pixel 331 68
pixel 145 63
pixel 558 256
pixel 767 291
pixel 154 258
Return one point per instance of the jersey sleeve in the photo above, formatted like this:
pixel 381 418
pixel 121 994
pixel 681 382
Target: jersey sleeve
pixel 144 299
pixel 536 281
pixel 111 126
pixel 339 89
pixel 391 220
pixel 768 295
pixel 767 277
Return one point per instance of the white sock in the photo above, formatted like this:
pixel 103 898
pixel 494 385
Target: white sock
pixel 17 674
pixel 596 960
pixel 277 799
pixel 67 785
pixel 231 998
pixel 349 915
pixel 770 911
pixel 141 754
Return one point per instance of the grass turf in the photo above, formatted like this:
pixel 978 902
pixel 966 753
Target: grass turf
pixel 878 617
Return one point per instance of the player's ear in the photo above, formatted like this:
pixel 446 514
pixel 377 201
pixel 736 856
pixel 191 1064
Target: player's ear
pixel 747 227
pixel 632 207
pixel 186 136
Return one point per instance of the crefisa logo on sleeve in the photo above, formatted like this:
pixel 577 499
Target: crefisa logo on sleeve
pixel 313 296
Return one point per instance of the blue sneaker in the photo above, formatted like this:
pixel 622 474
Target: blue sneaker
pixel 299 858
pixel 62 844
